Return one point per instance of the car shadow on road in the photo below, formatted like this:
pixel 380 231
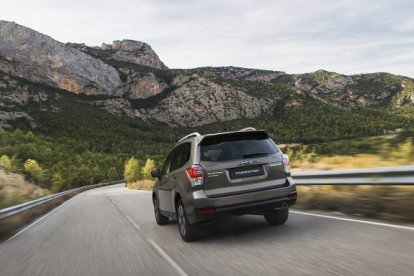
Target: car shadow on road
pixel 244 228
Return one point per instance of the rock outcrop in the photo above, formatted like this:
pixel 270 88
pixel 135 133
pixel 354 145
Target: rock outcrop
pixel 134 52
pixel 199 101
pixel 14 97
pixel 138 86
pixel 356 91
pixel 31 55
pixel 238 73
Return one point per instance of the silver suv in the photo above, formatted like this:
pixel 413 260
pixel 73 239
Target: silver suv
pixel 206 177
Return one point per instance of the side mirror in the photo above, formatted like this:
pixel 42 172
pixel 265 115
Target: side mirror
pixel 155 173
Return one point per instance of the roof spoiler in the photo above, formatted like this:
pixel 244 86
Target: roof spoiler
pixel 233 136
pixel 194 134
pixel 247 129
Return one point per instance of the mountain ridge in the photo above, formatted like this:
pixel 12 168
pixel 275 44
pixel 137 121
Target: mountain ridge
pixel 82 124
pixel 129 79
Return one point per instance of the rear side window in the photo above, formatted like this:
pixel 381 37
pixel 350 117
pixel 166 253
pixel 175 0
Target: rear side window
pixel 245 147
pixel 180 156
pixel 167 164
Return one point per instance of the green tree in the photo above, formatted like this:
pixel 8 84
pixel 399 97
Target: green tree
pixel 132 170
pixel 58 181
pixel 5 162
pixel 146 170
pixel 34 169
pixel 112 174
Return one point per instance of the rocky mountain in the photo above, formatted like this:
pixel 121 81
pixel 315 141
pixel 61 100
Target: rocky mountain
pixel 127 78
pixel 31 55
pixel 238 73
pixel 132 51
pixel 199 101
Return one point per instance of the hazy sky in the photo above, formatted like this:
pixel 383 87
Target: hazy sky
pixel 294 35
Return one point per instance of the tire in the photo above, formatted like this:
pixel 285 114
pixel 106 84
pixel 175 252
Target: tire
pixel 159 218
pixel 277 216
pixel 188 232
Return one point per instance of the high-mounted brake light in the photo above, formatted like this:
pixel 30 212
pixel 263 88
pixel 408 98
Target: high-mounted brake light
pixel 196 175
pixel 286 163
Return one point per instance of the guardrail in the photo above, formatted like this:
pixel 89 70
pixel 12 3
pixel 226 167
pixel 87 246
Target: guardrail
pixel 31 204
pixel 402 175
pixel 14 217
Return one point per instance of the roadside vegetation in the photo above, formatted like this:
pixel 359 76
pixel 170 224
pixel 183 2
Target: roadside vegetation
pixel 16 188
pixel 392 203
pixel 378 151
pixel 82 145
pixel 139 177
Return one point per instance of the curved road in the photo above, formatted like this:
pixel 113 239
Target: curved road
pixel 111 231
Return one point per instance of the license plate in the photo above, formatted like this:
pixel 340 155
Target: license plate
pixel 246 172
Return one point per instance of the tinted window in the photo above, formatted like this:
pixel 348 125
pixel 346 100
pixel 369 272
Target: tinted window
pixel 237 149
pixel 181 155
pixel 167 164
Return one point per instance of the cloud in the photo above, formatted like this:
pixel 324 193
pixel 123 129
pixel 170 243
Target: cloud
pixel 295 36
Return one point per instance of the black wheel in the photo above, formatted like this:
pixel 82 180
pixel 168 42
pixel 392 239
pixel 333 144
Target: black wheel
pixel 277 216
pixel 161 219
pixel 189 232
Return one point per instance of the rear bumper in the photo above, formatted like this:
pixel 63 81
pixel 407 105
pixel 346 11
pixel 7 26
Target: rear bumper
pixel 249 203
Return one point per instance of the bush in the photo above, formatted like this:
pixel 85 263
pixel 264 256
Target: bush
pixel 5 162
pixel 146 170
pixel 34 170
pixel 132 170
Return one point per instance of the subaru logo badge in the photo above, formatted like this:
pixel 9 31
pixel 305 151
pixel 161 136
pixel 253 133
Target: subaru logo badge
pixel 246 162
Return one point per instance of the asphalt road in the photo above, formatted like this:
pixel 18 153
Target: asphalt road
pixel 111 231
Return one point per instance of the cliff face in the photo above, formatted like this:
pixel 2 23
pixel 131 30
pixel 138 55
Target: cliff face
pixel 199 101
pixel 130 51
pixel 140 85
pixel 128 78
pixel 134 52
pixel 31 55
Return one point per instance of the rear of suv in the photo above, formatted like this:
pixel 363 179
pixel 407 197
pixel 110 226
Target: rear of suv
pixel 206 177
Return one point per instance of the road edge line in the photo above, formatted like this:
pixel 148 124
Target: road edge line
pixel 166 257
pixel 149 241
pixel 35 222
pixel 356 220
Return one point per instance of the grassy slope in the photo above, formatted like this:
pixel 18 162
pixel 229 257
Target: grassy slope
pixel 15 188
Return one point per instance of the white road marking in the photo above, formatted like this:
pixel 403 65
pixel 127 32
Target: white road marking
pixel 167 258
pixel 153 245
pixel 36 222
pixel 356 220
pixel 133 222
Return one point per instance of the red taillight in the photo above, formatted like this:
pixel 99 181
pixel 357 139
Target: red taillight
pixel 196 175
pixel 286 163
pixel 195 171
pixel 293 196
pixel 204 211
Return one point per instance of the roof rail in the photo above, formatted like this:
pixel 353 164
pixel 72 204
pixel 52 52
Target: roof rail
pixel 194 134
pixel 247 129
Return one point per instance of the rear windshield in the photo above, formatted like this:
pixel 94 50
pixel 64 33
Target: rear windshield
pixel 244 148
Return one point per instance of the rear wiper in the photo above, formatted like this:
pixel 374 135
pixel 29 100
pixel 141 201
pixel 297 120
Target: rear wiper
pixel 259 154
